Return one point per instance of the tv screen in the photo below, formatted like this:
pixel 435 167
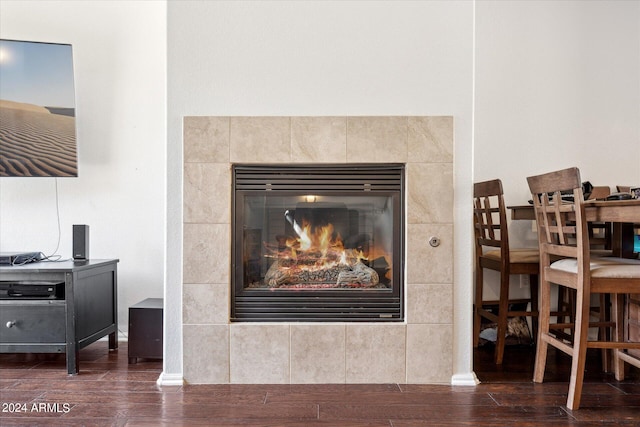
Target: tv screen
pixel 37 109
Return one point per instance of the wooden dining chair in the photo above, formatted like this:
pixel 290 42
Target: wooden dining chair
pixel 494 253
pixel 600 243
pixel 563 232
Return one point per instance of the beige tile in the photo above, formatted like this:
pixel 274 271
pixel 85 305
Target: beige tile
pixel 429 354
pixel 426 264
pixel 431 139
pixel 206 354
pixel 260 139
pixel 206 139
pixel 206 257
pixel 375 353
pixel 207 198
pixel 317 354
pixel 259 354
pixel 205 303
pixel 319 139
pixel 429 193
pixel 429 303
pixel 377 139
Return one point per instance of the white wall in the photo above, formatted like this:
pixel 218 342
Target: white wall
pixel 557 85
pixel 323 58
pixel 120 60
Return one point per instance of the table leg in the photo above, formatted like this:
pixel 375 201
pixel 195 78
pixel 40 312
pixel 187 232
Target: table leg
pixel 622 239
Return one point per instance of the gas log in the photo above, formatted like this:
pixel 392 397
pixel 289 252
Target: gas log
pixel 350 272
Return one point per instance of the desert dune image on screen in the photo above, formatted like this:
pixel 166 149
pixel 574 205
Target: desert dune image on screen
pixel 37 110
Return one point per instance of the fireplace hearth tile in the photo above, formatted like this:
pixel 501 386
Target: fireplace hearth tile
pixel 431 304
pixel 426 264
pixel 260 140
pixel 204 202
pixel 319 139
pixel 206 139
pixel 427 360
pixel 376 353
pixel 206 253
pixel 207 358
pixel 377 139
pixel 259 354
pixel 205 303
pixel 430 139
pixel 430 199
pixel 317 354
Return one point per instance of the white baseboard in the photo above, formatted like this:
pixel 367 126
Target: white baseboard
pixel 170 379
pixel 468 379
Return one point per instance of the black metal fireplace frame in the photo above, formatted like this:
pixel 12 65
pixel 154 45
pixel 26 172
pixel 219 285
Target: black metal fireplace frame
pixel 358 305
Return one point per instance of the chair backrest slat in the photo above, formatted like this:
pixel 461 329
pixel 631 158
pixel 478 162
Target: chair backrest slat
pixel 490 218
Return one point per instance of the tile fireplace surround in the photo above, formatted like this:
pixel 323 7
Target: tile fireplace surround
pixel 418 350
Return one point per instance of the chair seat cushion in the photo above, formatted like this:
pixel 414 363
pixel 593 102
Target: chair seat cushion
pixel 609 267
pixel 517 255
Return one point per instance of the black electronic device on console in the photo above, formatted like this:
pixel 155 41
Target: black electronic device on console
pixel 31 290
pixel 619 196
pixel 19 258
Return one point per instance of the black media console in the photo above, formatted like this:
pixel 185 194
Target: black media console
pixel 55 307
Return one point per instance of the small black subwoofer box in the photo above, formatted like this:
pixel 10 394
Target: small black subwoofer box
pixel 145 329
pixel 80 242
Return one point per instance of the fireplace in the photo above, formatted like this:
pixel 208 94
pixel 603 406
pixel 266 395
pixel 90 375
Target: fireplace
pixel 217 350
pixel 317 242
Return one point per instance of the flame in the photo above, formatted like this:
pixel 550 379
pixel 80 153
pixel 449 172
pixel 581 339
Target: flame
pixel 321 245
pixel 317 258
pixel 320 240
pixel 321 248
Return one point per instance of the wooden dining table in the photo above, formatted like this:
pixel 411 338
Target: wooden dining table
pixel 622 213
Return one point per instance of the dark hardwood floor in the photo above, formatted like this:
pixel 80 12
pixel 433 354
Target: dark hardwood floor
pixel 36 391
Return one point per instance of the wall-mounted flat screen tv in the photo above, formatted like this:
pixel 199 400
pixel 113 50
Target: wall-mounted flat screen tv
pixel 37 109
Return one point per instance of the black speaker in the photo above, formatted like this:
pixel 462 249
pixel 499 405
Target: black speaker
pixel 80 242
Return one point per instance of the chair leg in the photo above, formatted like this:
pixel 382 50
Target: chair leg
pixel 579 353
pixel 477 319
pixel 533 285
pixel 503 315
pixel 566 311
pixel 617 313
pixel 544 311
pixel 604 333
pixel 563 305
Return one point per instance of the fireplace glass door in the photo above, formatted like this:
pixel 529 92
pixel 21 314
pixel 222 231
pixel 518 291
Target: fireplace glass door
pixel 317 243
